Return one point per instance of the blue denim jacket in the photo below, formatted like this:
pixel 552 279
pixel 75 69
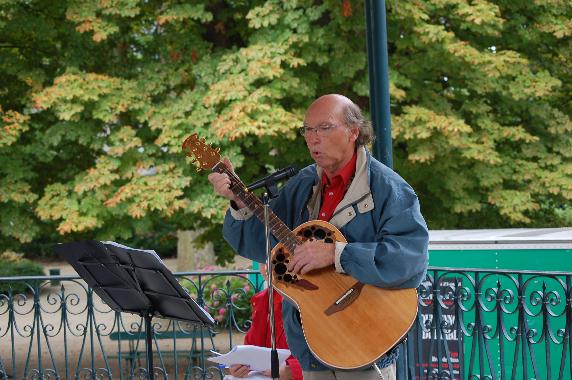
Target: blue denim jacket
pixel 379 216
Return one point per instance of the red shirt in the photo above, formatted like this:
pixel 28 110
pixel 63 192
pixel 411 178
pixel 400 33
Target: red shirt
pixel 333 189
pixel 259 332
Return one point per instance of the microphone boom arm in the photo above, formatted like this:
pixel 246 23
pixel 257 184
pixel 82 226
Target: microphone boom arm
pixel 270 181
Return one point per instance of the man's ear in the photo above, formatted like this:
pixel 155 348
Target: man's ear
pixel 354 133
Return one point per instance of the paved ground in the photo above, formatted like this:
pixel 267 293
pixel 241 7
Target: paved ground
pixel 52 348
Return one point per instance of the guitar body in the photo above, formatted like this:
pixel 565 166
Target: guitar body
pixel 360 333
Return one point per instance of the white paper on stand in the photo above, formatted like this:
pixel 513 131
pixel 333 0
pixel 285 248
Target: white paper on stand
pixel 258 358
pixel 254 375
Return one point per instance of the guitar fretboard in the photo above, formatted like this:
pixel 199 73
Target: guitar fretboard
pixel 277 227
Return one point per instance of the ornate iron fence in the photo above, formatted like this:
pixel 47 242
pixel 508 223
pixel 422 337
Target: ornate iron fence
pixel 472 324
pixel 483 324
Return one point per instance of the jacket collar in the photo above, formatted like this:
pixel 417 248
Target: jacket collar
pixel 359 188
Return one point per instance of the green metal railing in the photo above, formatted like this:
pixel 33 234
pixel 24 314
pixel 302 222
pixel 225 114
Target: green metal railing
pixel 67 332
pixel 472 324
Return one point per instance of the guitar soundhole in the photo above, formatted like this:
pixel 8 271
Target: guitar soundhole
pixel 317 233
pixel 280 269
pixel 320 234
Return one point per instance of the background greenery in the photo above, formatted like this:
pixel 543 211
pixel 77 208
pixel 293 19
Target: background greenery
pixel 96 97
pixel 13 264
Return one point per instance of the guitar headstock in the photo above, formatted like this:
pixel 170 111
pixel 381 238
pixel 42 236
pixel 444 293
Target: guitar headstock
pixel 204 154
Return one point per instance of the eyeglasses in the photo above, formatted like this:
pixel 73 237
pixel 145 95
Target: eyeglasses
pixel 320 130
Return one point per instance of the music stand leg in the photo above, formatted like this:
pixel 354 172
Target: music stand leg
pixel 149 346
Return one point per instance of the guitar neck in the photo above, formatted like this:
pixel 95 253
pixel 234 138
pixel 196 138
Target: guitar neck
pixel 277 227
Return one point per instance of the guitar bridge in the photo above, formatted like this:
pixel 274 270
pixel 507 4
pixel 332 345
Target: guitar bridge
pixel 346 299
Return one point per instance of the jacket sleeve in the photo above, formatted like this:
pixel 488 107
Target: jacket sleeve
pixel 245 236
pixel 396 257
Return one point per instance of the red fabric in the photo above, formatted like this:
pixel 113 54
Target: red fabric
pixel 259 332
pixel 335 188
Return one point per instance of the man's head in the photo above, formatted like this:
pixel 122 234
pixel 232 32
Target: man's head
pixel 333 127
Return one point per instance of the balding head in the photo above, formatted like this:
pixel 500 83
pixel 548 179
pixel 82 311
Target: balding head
pixel 341 107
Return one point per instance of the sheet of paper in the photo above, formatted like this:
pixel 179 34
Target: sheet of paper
pixel 258 358
pixel 253 375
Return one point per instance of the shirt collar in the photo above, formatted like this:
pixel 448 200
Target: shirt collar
pixel 345 174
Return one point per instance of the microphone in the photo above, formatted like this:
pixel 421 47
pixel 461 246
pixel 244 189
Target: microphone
pixel 270 180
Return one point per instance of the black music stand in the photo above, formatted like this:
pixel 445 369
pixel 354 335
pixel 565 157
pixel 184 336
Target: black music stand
pixel 133 281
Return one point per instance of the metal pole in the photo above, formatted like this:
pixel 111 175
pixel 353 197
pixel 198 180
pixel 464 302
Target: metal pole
pixel 376 31
pixel 149 346
pixel 274 363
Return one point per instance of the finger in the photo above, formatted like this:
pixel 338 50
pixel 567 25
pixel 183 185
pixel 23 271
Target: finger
pixel 306 268
pixel 221 184
pixel 217 179
pixel 298 263
pixel 293 262
pixel 233 368
pixel 244 371
pixel 213 178
pixel 239 370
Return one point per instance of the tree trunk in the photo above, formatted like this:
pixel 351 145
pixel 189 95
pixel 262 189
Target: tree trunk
pixel 190 256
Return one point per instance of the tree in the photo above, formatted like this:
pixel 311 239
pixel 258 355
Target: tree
pixel 97 96
pixel 483 123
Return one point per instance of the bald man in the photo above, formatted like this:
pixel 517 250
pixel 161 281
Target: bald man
pixel 373 207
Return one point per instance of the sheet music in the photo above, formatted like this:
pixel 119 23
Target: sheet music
pixel 258 358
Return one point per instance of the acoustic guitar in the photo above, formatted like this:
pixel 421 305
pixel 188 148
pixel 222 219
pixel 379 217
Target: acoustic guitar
pixel 347 324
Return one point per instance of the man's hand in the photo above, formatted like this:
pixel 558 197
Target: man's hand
pixel 312 255
pixel 239 370
pixel 221 184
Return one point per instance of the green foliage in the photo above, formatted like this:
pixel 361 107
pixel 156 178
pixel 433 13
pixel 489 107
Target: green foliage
pixel 483 131
pixel 96 98
pixel 13 265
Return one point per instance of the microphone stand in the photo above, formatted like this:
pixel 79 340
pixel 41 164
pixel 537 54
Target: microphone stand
pixel 270 184
pixel 274 364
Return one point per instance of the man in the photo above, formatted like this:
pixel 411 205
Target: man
pixel 373 207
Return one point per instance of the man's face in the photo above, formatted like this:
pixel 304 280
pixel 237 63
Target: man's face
pixel 330 141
